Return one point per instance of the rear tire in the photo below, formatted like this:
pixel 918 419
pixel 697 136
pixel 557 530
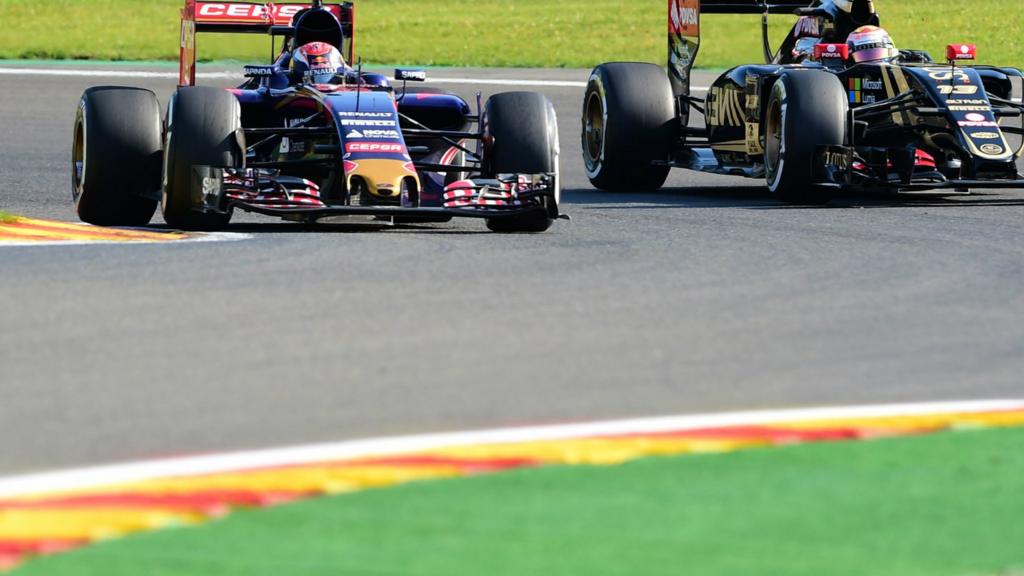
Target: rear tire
pixel 629 122
pixel 806 109
pixel 116 156
pixel 203 129
pixel 524 129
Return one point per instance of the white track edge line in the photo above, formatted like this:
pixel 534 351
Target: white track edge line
pixel 98 476
pixel 206 237
pixel 141 74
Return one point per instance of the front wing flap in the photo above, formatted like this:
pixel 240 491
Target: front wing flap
pixel 520 194
pixel 851 167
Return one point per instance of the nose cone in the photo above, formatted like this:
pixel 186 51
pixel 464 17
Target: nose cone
pixel 382 178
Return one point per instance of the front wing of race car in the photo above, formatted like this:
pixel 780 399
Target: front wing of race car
pixel 219 190
pixel 945 109
pixel 902 169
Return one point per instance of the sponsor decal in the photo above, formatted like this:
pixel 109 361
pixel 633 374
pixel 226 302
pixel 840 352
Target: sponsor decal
pixel 992 149
pixel 247 13
pixel 958 108
pixel 411 75
pixel 259 71
pixel 366 114
pixel 975 117
pixel 211 188
pixel 969 124
pixel 838 159
pixel 374 134
pixel 969 101
pixel 985 135
pixel 964 90
pixel 367 122
pixel 754 146
pixel 831 51
pixel 807 27
pixel 961 52
pixel 945 75
pixel 684 17
pixel 859 85
pixel 724 107
pixel 381 147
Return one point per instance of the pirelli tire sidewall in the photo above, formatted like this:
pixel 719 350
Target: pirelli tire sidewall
pixel 806 109
pixel 116 156
pixel 204 128
pixel 629 122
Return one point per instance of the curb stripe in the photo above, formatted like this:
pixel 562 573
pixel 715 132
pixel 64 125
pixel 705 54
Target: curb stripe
pixel 85 478
pixel 76 508
pixel 53 226
pixel 25 230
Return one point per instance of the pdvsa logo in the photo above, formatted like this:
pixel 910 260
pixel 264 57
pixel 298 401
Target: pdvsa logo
pixel 685 17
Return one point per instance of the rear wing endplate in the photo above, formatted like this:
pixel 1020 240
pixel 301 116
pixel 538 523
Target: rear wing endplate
pixel 249 17
pixel 684 29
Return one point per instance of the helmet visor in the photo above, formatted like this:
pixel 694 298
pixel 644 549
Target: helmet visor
pixel 873 54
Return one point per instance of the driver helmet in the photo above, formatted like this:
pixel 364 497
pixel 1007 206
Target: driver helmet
pixel 317 62
pixel 871 44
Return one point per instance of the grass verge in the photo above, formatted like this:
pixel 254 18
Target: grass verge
pixel 526 33
pixel 942 505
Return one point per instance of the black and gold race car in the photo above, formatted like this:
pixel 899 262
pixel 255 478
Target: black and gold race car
pixel 836 107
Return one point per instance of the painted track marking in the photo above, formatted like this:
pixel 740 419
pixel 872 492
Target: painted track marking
pixel 27 232
pixel 92 477
pixel 48 513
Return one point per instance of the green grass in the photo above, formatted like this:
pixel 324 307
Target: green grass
pixel 943 505
pixel 537 33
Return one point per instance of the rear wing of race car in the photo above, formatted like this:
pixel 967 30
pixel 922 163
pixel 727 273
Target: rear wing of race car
pixel 276 19
pixel 684 29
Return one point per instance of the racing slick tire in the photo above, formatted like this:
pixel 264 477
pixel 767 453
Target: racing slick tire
pixel 629 122
pixel 806 109
pixel 523 131
pixel 203 129
pixel 116 156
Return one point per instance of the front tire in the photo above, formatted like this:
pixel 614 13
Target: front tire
pixel 116 156
pixel 524 130
pixel 629 122
pixel 806 109
pixel 203 129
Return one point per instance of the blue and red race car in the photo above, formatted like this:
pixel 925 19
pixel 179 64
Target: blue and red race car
pixel 311 136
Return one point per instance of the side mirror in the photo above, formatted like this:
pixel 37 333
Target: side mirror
pixel 410 75
pixel 957 52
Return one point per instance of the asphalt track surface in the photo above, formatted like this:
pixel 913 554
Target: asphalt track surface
pixel 706 296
